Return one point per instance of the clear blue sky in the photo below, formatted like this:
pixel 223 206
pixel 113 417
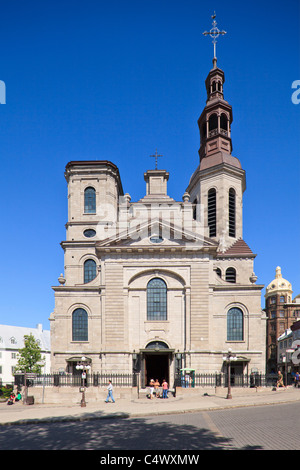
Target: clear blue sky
pixel 114 80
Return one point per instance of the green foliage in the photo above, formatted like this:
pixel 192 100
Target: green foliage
pixel 30 357
pixel 5 392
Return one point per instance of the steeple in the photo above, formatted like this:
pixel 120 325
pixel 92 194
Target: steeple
pixel 219 181
pixel 216 118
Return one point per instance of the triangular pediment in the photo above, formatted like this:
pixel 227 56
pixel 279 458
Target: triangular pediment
pixel 156 234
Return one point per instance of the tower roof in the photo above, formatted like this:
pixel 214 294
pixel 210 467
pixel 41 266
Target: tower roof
pixel 239 248
pixel 279 284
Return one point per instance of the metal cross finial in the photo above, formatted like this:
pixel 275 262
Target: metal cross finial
pixel 156 157
pixel 214 33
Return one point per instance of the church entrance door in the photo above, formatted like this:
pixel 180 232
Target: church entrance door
pixel 156 360
pixel 156 367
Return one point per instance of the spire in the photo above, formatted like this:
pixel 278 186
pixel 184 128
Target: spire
pixel 216 118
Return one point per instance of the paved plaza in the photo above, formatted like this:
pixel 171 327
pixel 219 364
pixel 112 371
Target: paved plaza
pixel 200 400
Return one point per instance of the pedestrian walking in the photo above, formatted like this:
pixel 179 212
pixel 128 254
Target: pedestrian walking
pixel 165 387
pixel 297 379
pixel 110 393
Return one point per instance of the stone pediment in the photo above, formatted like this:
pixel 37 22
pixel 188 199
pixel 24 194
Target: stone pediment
pixel 156 235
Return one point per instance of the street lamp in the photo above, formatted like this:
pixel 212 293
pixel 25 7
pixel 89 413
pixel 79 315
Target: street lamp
pixel 228 358
pixel 84 367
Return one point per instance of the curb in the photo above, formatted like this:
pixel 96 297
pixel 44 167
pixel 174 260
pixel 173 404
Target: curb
pixel 123 415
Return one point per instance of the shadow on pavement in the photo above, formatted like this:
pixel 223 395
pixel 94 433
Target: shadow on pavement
pixel 113 434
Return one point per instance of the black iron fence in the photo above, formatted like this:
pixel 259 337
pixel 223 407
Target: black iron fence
pixel 241 380
pixel 75 380
pixel 131 380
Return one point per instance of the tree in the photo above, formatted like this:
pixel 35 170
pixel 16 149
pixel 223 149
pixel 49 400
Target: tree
pixel 30 358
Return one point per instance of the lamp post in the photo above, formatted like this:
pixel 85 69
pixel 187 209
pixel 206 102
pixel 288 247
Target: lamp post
pixel 228 358
pixel 84 367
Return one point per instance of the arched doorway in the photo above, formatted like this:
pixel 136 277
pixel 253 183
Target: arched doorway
pixel 156 362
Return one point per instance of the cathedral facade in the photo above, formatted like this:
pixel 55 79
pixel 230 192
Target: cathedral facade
pixel 157 285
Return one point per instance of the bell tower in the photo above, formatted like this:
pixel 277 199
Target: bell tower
pixel 216 118
pixel 219 181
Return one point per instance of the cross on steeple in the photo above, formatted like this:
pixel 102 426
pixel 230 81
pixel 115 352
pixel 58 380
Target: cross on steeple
pixel 214 33
pixel 156 157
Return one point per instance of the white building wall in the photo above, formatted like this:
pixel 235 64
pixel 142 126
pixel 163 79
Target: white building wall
pixel 12 339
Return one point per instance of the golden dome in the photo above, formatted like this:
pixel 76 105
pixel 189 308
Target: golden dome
pixel 278 284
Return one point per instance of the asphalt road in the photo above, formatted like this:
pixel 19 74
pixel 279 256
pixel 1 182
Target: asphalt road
pixel 272 427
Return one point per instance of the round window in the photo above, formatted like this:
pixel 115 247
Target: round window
pixel 156 239
pixel 89 233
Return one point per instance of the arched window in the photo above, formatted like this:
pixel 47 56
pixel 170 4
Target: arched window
pixel 79 325
pixel 235 325
pixel 231 209
pixel 230 275
pixel 219 272
pixel 212 212
pixel 89 201
pixel 223 122
pixel 90 270
pixel 213 122
pixel 156 300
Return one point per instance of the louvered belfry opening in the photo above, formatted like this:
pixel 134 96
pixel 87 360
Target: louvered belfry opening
pixel 231 202
pixel 212 212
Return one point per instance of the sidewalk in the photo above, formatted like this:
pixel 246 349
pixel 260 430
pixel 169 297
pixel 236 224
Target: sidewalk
pixel 126 408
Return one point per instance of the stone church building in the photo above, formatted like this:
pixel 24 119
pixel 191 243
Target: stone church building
pixel 157 285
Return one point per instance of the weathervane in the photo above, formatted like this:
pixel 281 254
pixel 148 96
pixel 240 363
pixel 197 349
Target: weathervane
pixel 156 157
pixel 214 33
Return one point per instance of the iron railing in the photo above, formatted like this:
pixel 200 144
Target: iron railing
pixel 131 380
pixel 75 380
pixel 241 380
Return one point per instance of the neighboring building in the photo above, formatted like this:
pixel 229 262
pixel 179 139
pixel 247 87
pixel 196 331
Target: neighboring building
pixel 284 354
pixel 281 312
pixel 11 340
pixel 158 284
pixel 296 344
